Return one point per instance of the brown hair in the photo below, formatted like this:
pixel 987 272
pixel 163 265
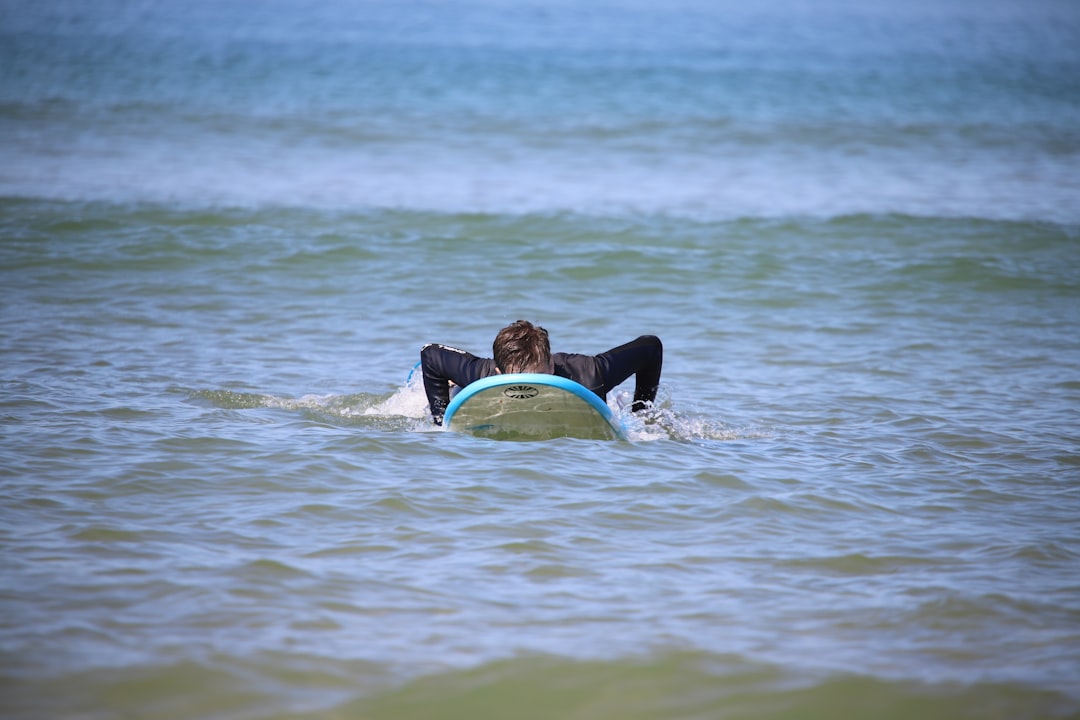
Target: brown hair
pixel 523 348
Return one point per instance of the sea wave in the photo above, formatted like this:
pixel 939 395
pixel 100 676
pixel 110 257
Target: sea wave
pixel 665 685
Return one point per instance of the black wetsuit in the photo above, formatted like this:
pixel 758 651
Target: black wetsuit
pixel 601 373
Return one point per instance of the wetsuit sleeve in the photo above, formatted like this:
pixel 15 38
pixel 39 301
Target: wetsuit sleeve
pixel 643 358
pixel 442 365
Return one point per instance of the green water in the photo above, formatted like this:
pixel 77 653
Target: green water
pixel 222 499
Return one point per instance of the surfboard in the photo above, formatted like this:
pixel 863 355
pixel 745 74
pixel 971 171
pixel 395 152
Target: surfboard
pixel 531 406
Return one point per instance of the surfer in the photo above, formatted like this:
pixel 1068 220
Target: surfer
pixel 522 347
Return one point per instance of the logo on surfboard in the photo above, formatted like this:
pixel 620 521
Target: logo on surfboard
pixel 521 392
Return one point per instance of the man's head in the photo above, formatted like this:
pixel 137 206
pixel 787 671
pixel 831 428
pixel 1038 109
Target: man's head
pixel 523 348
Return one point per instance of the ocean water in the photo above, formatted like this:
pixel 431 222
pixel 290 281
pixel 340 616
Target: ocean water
pixel 227 228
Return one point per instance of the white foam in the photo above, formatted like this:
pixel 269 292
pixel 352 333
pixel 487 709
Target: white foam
pixel 407 401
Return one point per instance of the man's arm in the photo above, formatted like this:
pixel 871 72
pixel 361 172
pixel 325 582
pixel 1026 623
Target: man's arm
pixel 643 358
pixel 442 365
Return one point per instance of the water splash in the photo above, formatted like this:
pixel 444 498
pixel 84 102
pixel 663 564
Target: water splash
pixel 409 400
pixel 406 408
pixel 663 421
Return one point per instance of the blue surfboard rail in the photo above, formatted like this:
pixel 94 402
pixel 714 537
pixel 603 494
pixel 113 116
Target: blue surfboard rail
pixel 555 381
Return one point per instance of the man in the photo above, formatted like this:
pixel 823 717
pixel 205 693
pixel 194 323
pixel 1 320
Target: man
pixel 524 348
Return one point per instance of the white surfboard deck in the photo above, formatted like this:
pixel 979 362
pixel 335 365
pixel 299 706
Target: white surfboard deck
pixel 531 406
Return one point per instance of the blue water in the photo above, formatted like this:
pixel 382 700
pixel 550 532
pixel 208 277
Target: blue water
pixel 963 110
pixel 226 229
